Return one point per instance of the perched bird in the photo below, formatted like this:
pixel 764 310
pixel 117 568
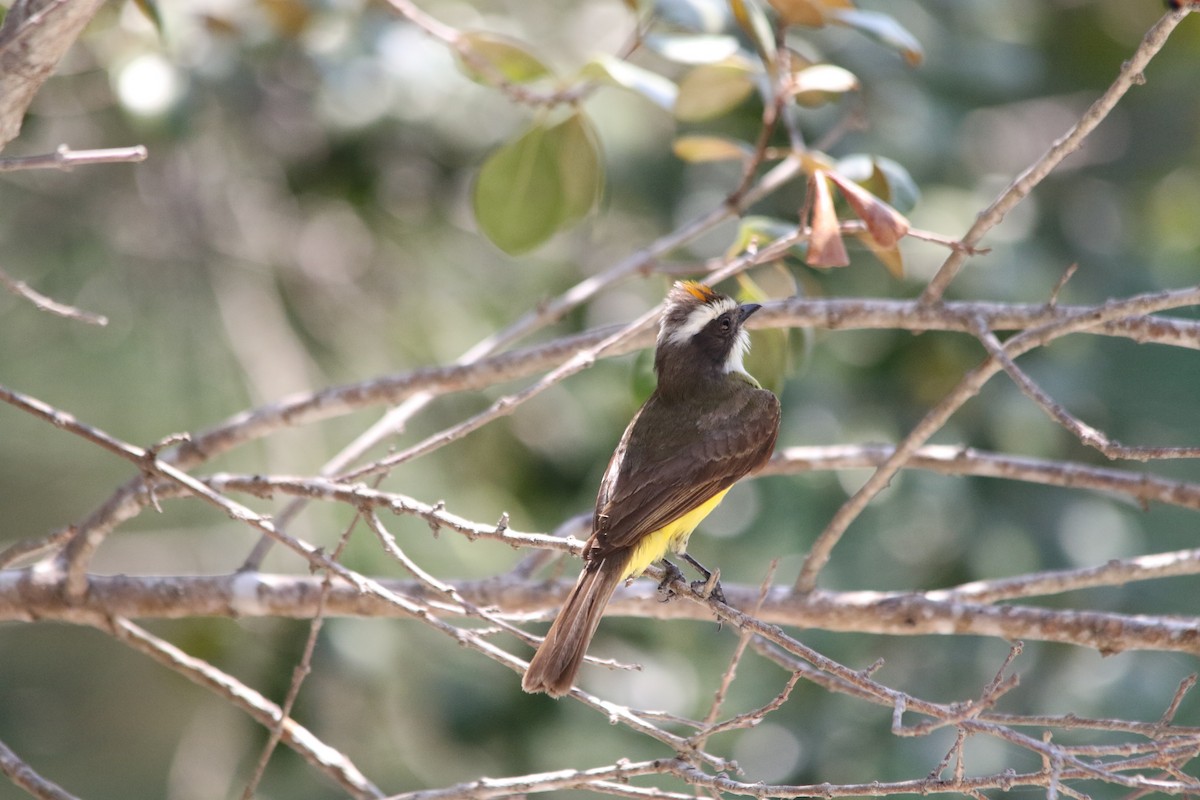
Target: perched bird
pixel 707 424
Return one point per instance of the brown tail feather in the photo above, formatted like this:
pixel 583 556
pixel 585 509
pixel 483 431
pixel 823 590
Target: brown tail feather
pixel 552 668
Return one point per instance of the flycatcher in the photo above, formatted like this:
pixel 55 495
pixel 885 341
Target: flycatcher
pixel 706 425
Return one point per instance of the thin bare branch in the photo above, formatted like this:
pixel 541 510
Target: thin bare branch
pixel 1129 75
pixel 49 304
pixel 27 596
pixel 326 759
pixel 1185 686
pixel 486 788
pixel 66 159
pixel 923 786
pixel 1092 437
pixel 302 669
pixel 1142 487
pixel 32 548
pixel 26 777
pixel 461 45
pixel 967 388
pixel 730 673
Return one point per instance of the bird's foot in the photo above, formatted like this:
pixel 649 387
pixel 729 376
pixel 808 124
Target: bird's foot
pixel 671 573
pixel 711 585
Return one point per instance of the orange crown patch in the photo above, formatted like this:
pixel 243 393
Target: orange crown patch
pixel 698 290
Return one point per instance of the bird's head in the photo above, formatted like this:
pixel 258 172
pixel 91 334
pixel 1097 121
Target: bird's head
pixel 701 334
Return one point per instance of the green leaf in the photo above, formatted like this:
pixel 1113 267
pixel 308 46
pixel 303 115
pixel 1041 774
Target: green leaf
pixel 692 48
pixel 712 90
pixel 509 58
pixel 882 28
pixel 538 184
pixel 577 151
pixel 517 196
pixel 711 148
pixel 613 71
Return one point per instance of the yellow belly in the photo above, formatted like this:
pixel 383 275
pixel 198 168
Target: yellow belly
pixel 671 537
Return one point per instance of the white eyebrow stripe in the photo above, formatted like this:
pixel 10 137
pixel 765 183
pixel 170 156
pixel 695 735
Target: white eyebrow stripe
pixel 699 317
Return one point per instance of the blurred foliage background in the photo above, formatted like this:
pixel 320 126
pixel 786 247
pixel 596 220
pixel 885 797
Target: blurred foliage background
pixel 305 219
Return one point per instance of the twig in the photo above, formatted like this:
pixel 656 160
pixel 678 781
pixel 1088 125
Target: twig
pixel 1185 686
pixel 992 692
pixel 770 117
pixel 1141 487
pixel 66 159
pixel 302 669
pixel 1068 273
pixel 453 39
pixel 27 778
pixel 487 788
pixel 320 755
pixel 34 547
pixel 754 716
pixel 1092 437
pixel 923 786
pixel 49 304
pixel 731 670
pixel 1130 75
pixel 506 404
pixel 955 753
pixel 465 606
pixel 832 683
pixel 40 595
pixel 952 713
pixel 1114 572
pixel 967 388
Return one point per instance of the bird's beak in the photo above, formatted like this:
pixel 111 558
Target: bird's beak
pixel 745 310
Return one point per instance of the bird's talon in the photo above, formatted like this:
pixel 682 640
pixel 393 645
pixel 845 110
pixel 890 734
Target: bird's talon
pixel 709 592
pixel 671 573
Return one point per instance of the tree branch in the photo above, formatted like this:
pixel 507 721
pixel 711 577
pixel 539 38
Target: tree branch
pixel 1085 433
pixel 967 388
pixel 65 159
pixel 47 304
pixel 1142 487
pixel 1129 75
pixel 326 759
pixel 965 610
pixel 25 777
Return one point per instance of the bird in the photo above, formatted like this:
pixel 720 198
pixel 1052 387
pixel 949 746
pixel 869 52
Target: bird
pixel 706 425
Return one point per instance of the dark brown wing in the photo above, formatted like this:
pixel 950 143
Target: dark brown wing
pixel 686 453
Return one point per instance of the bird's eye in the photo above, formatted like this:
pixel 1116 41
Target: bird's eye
pixel 726 323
